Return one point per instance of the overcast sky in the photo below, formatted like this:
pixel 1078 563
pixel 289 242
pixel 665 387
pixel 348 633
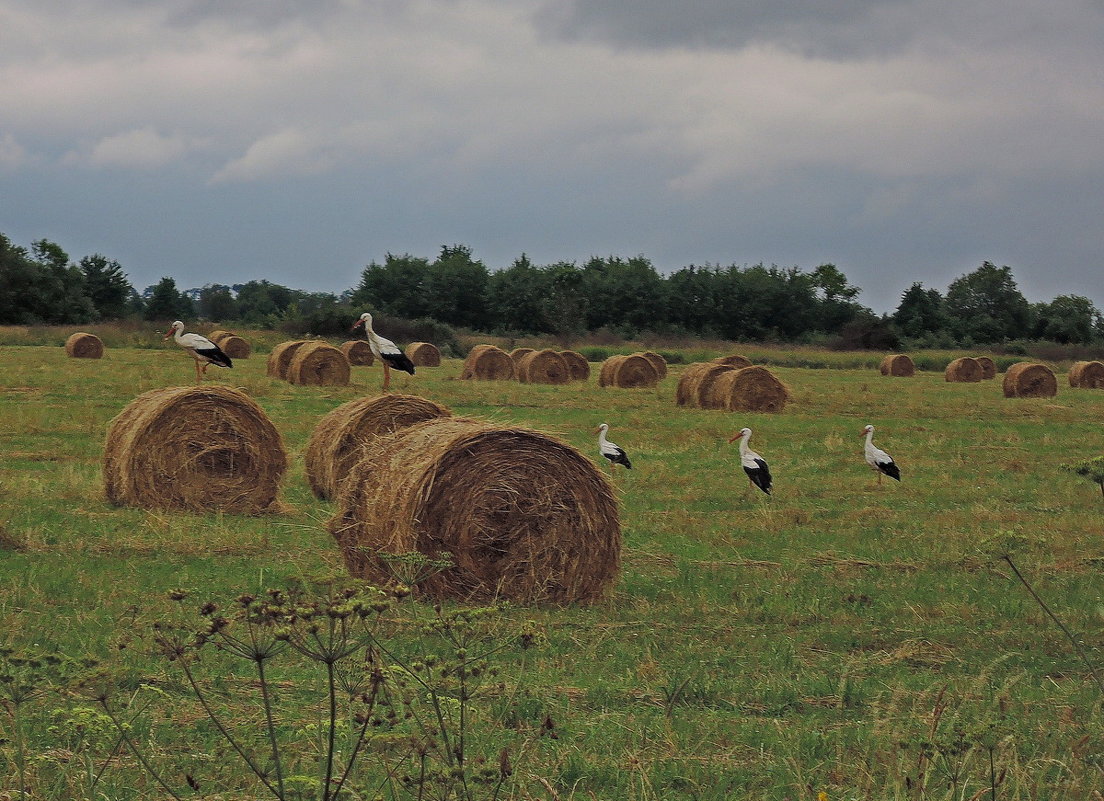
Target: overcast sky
pixel 218 141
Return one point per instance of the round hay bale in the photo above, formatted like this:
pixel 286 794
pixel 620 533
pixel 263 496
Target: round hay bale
pixel 627 372
pixel 82 345
pixel 696 382
pixel 1027 380
pixel 487 363
pixel 657 361
pixel 517 353
pixel 234 346
pixel 747 389
pixel 525 517
pixel 988 367
pixel 205 448
pixel 318 364
pixel 1087 375
pixel 543 367
pixel 423 354
pixel 218 334
pixel 279 358
pixel 735 360
pixel 577 365
pixel 899 365
pixel 358 352
pixel 348 432
pixel 963 370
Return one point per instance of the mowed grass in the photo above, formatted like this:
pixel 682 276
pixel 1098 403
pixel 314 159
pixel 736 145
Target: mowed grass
pixel 752 648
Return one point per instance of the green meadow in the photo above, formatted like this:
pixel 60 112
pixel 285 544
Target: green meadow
pixel 841 639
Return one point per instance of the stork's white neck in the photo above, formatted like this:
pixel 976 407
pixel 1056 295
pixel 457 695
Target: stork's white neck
pixel 601 436
pixel 869 437
pixel 744 444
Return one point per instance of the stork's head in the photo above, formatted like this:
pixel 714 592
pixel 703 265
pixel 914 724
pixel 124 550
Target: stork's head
pixel 172 330
pixel 744 433
pixel 868 429
pixel 365 320
pixel 602 429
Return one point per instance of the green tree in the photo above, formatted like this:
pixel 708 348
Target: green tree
pixel 21 282
pixel 921 312
pixel 986 306
pixel 565 306
pixel 1067 319
pixel 216 302
pixel 837 305
pixel 61 294
pixel 692 299
pixel 626 294
pixel 398 287
pixel 106 285
pixel 166 302
pixel 517 298
pixel 262 303
pixel 455 289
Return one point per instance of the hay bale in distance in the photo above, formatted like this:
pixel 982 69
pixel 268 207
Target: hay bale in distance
pixel 627 372
pixel 358 352
pixel 898 365
pixel 525 517
pixel 82 345
pixel 1087 375
pixel 318 364
pixel 280 357
pixel 963 370
pixel 543 367
pixel 577 365
pixel 735 360
pixel 487 363
pixel 1028 380
pixel 423 354
pixel 988 367
pixel 234 346
pixel 218 334
pixel 747 389
pixel 657 361
pixel 695 384
pixel 348 433
pixel 517 353
pixel 205 448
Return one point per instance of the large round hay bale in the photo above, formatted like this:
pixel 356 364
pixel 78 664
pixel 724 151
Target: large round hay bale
pixel 627 372
pixel 657 361
pixel 349 432
pixel 358 352
pixel 695 383
pixel 234 346
pixel 279 358
pixel 517 353
pixel 1087 375
pixel 735 360
pixel 487 363
pixel 1027 380
pixel 423 354
pixel 543 367
pixel 963 370
pixel 318 364
pixel 988 367
pixel 899 365
pixel 205 448
pixel 82 345
pixel 747 389
pixel 524 516
pixel 577 365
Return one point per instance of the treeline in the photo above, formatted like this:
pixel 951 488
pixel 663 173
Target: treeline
pixel 627 297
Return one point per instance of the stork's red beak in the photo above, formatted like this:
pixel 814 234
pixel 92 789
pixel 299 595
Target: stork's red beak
pixel 738 436
pixel 168 334
pixel 357 325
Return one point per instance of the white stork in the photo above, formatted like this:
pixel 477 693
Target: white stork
pixel 754 465
pixel 384 349
pixel 204 351
pixel 615 453
pixel 880 461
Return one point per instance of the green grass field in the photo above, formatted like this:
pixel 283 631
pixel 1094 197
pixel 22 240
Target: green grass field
pixel 844 638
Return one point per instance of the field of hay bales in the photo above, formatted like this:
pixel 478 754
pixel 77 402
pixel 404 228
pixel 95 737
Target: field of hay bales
pixel 840 637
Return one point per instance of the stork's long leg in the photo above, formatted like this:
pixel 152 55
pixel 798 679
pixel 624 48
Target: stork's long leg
pixel 199 379
pixel 386 376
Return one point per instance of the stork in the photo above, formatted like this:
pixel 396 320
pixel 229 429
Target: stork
pixel 384 349
pixel 880 461
pixel 615 453
pixel 754 465
pixel 204 351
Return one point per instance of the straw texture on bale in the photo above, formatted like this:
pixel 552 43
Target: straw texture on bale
pixel 218 334
pixel 487 363
pixel 207 448
pixel 318 364
pixel 658 362
pixel 963 370
pixel 899 365
pixel 82 345
pixel 279 358
pixel 543 367
pixel 1087 375
pixel 988 367
pixel 747 389
pixel 627 372
pixel 234 346
pixel 1027 380
pixel 423 354
pixel 577 365
pixel 695 384
pixel 349 432
pixel 524 516
pixel 517 353
pixel 735 360
pixel 358 352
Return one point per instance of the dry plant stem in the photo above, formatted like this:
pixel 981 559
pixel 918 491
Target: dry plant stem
pixel 269 724
pixel 331 743
pixel 134 749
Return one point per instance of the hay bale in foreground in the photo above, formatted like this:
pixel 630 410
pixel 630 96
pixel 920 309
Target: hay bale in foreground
pixel 963 370
pixel 898 365
pixel 82 345
pixel 627 372
pixel 205 448
pixel 279 358
pixel 735 360
pixel 518 353
pixel 423 354
pixel 694 386
pixel 577 365
pixel 358 352
pixel 525 517
pixel 543 367
pixel 346 434
pixel 747 389
pixel 1087 375
pixel 487 363
pixel 319 364
pixel 657 361
pixel 1027 380
pixel 988 367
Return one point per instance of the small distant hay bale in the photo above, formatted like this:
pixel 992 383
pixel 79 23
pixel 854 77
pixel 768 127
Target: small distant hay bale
pixel 747 389
pixel 423 354
pixel 358 352
pixel 487 363
pixel 1028 380
pixel 543 367
pixel 577 365
pixel 1087 375
pixel 234 346
pixel 517 353
pixel 988 367
pixel 657 361
pixel 218 334
pixel 899 365
pixel 627 372
pixel 279 358
pixel 695 384
pixel 318 364
pixel 963 370
pixel 82 345
pixel 524 516
pixel 349 432
pixel 206 448
pixel 735 360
